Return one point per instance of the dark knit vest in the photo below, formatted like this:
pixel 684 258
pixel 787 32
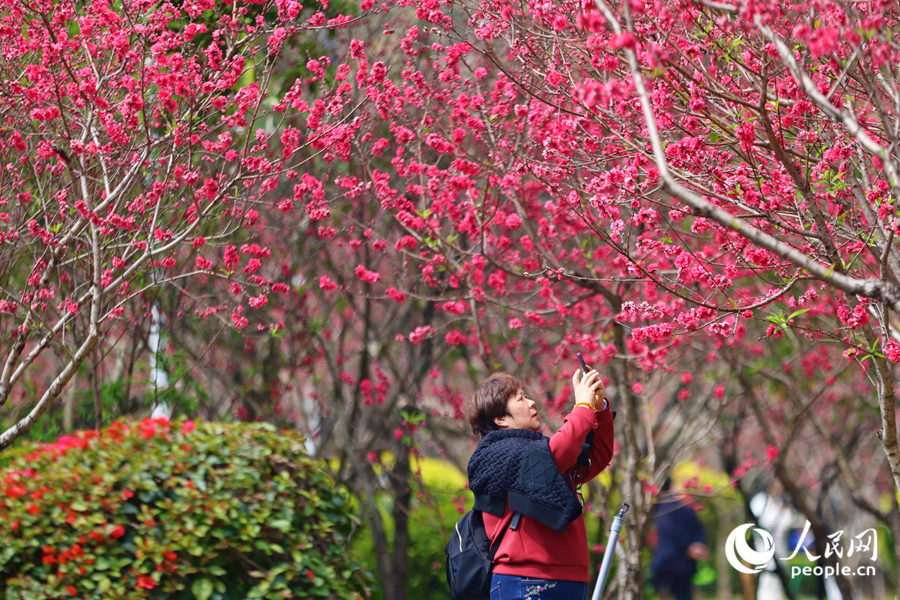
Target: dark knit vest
pixel 516 466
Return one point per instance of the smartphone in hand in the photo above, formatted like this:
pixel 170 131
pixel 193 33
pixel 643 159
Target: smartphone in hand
pixel 584 368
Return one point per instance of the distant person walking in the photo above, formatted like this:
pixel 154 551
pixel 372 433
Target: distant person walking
pixel 526 485
pixel 681 542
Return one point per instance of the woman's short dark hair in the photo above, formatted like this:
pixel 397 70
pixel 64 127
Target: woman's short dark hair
pixel 489 402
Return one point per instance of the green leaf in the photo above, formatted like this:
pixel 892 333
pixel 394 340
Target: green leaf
pixel 202 588
pixel 280 524
pixel 797 313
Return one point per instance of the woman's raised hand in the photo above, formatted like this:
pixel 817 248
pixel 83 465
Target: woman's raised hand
pixel 589 388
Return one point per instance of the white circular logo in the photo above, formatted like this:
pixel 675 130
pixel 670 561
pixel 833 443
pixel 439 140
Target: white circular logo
pixel 736 546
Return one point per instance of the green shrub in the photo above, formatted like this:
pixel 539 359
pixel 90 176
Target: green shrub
pixel 173 510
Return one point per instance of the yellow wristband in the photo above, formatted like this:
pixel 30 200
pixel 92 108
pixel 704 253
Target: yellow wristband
pixel 588 404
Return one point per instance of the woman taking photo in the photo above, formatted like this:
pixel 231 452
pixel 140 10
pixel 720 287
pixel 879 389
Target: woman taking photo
pixel 526 485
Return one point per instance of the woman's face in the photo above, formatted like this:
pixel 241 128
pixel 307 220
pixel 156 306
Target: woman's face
pixel 521 414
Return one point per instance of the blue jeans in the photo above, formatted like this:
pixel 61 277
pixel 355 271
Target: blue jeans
pixel 513 587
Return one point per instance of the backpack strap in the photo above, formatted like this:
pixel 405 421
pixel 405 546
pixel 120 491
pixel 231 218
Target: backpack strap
pixel 584 459
pixel 513 524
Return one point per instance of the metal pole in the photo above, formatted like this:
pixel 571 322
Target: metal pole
pixel 610 550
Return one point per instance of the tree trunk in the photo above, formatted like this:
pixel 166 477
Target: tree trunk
pixel 395 589
pixel 894 517
pixel 727 522
pixel 630 569
pixel 68 398
pixel 95 389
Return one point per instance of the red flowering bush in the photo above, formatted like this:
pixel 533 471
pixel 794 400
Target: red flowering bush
pixel 156 509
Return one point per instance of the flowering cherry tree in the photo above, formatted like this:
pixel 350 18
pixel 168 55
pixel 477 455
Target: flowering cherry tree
pixel 140 143
pixel 678 189
pixel 647 182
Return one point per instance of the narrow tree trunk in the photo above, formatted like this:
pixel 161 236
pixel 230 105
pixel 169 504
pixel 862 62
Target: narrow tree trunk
pixel 98 395
pixel 727 522
pixel 894 517
pixel 364 489
pixel 631 581
pixel 158 375
pixel 395 589
pixel 379 539
pixel 68 397
pixel 884 378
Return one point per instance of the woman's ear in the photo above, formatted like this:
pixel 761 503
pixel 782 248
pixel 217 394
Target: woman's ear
pixel 501 422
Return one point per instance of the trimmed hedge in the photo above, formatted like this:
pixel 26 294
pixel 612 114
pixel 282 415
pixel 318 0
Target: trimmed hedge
pixel 155 509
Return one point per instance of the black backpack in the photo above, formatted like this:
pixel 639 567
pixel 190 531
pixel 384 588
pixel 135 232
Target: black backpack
pixel 470 557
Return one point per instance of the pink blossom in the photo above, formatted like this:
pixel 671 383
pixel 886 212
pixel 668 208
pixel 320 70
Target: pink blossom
pixel 623 40
pixel 326 283
pixel 396 295
pixel 892 351
pixel 655 333
pixel 192 29
pixel 420 333
pixel 455 308
pixel 276 38
pixel 365 275
pixel 238 319
pixel 259 301
pixel 858 318
pixel 455 338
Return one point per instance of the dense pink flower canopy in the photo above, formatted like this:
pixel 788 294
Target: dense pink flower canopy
pixel 698 195
pixel 656 182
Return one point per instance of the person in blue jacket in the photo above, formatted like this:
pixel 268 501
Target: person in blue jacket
pixel 681 542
